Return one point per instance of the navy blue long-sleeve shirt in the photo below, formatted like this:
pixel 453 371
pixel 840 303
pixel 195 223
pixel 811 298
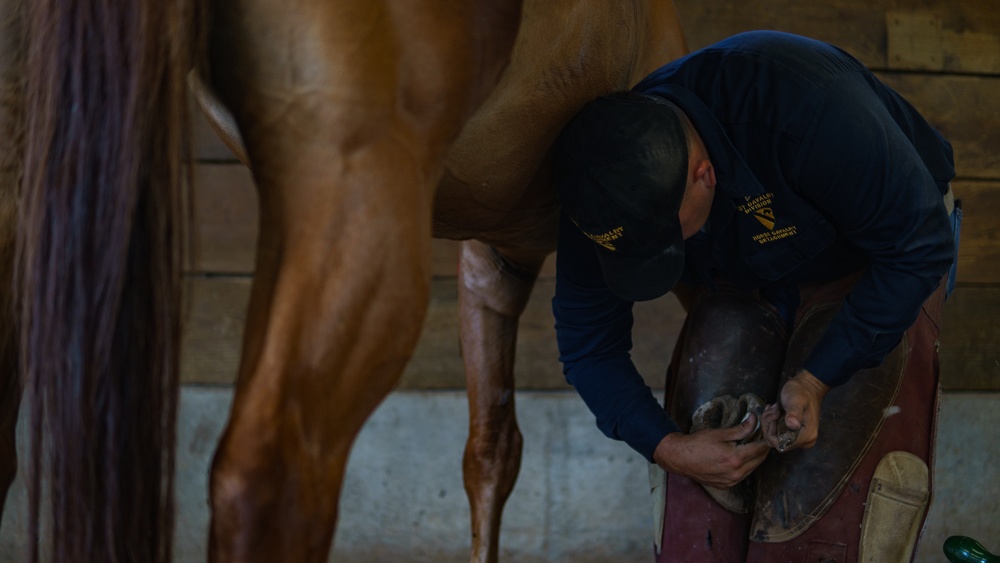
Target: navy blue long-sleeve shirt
pixel 821 171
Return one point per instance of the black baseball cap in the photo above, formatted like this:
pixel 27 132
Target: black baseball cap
pixel 620 168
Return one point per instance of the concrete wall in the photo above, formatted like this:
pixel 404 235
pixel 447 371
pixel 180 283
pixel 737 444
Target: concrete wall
pixel 580 497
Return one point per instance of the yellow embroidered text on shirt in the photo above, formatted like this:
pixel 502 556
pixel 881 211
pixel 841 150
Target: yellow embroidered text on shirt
pixel 760 206
pixel 759 202
pixel 771 236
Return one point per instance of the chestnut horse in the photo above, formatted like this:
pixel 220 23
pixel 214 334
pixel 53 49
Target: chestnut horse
pixel 370 127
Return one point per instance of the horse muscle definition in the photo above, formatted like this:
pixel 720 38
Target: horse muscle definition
pixel 370 127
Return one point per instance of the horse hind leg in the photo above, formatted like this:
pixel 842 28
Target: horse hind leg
pixel 345 164
pixel 335 311
pixel 494 287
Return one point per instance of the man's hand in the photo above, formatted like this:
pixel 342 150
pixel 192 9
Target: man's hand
pixel 712 457
pixel 800 398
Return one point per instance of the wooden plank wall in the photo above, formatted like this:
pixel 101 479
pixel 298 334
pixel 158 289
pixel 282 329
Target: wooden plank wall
pixel 943 56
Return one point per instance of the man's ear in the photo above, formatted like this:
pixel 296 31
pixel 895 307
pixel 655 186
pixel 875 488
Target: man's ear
pixel 704 173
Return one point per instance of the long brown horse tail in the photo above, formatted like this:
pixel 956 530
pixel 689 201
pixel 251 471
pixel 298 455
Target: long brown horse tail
pixel 100 263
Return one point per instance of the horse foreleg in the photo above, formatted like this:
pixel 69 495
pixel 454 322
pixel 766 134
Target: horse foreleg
pixel 493 290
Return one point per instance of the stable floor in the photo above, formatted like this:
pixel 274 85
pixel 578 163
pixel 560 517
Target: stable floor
pixel 580 497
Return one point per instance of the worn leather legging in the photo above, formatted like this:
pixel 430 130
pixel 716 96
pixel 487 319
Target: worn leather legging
pixel 807 505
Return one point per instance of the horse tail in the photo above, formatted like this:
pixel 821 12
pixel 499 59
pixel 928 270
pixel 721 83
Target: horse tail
pixel 100 263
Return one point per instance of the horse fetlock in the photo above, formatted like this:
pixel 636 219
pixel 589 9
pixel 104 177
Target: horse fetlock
pixel 497 442
pixel 268 515
pixel 239 494
pixel 493 459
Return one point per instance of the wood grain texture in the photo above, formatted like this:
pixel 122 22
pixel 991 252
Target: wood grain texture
pixel 964 41
pixel 960 36
pixel 979 249
pixel 942 55
pixel 965 109
pixel 224 225
pixel 924 39
pixel 970 355
pixel 226 228
pixel 214 328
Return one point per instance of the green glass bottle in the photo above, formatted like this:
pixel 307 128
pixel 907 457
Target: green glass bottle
pixel 962 549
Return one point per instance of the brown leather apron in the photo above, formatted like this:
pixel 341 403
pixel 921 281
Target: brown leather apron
pixel 804 505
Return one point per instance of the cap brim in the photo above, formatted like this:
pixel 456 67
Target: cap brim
pixel 635 278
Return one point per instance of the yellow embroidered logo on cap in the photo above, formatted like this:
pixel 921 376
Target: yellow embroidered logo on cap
pixel 607 238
